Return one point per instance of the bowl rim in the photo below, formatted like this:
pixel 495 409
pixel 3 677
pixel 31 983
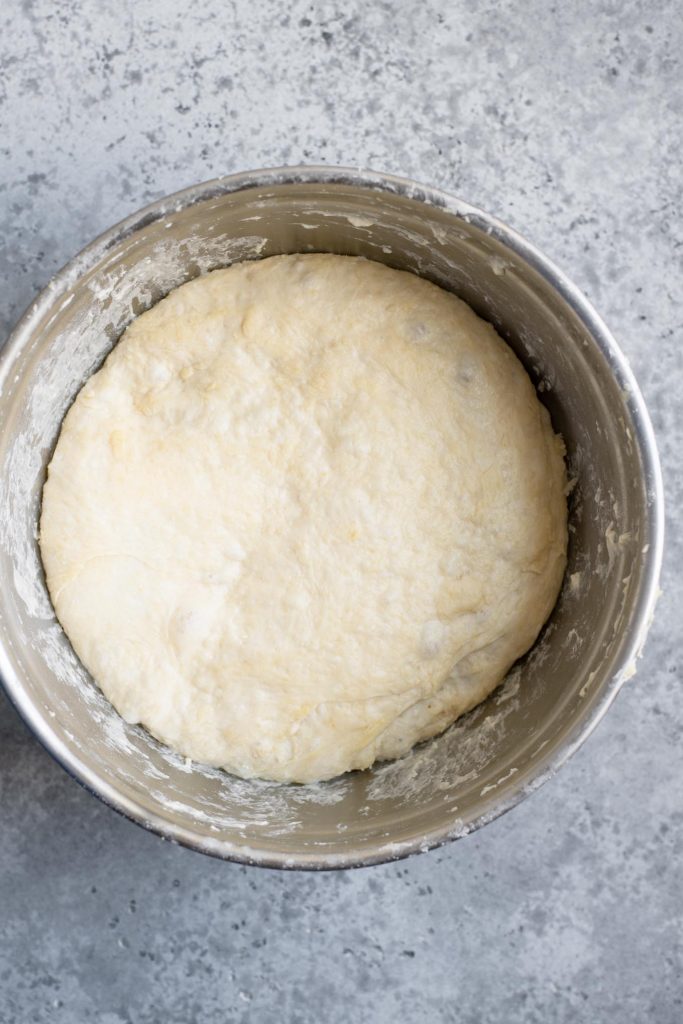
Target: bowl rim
pixel 514 791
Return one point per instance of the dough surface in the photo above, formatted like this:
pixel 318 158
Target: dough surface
pixel 308 512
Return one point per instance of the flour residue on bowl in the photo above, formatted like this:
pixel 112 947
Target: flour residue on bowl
pixel 459 757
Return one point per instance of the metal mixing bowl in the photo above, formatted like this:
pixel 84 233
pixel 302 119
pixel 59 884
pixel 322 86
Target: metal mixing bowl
pixel 550 702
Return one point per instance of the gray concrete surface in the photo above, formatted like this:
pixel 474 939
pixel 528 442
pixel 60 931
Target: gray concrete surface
pixel 566 121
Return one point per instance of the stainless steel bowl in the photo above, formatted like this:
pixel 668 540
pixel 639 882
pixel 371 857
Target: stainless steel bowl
pixel 550 702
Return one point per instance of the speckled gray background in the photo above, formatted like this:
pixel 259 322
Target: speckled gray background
pixel 565 121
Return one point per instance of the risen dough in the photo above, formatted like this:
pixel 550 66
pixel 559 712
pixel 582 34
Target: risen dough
pixel 308 512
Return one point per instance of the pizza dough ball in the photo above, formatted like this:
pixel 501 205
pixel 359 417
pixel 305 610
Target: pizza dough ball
pixel 308 512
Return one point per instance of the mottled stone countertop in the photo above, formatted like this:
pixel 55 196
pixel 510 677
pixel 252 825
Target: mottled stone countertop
pixel 564 120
